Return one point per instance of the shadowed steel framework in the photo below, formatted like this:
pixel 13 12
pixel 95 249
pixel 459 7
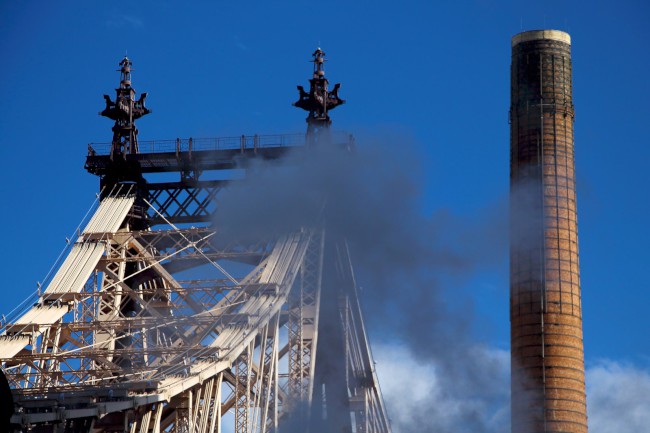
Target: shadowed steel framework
pixel 548 385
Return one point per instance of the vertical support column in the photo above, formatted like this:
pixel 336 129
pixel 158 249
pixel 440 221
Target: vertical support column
pixel 269 378
pixel 156 421
pixel 548 386
pixel 243 390
pixel 330 410
pixel 303 321
pixel 85 312
pixel 108 307
pixel 215 420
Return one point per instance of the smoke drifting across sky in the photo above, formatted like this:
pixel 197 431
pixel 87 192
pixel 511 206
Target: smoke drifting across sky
pixel 404 260
pixel 435 377
pixel 618 395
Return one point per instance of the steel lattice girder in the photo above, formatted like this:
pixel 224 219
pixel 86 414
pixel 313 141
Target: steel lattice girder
pixel 181 202
pixel 140 348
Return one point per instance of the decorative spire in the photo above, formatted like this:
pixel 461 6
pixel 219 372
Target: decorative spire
pixel 124 111
pixel 319 100
pixel 125 73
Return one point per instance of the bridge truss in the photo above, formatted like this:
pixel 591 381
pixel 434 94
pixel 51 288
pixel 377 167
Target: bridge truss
pixel 175 329
pixel 156 321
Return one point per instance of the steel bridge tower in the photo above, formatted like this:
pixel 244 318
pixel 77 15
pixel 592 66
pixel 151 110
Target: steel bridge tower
pixel 155 321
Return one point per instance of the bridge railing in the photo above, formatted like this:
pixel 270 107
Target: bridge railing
pixel 217 143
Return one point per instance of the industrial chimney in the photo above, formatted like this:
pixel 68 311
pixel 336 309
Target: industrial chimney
pixel 548 383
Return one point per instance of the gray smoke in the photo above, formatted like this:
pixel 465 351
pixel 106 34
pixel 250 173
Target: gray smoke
pixel 407 263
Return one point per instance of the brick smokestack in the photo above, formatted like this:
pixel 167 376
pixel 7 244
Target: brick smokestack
pixel 548 380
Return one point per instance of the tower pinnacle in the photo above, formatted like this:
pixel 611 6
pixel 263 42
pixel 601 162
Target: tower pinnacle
pixel 124 111
pixel 319 100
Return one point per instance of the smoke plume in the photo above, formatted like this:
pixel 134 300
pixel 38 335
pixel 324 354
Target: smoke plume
pixel 407 263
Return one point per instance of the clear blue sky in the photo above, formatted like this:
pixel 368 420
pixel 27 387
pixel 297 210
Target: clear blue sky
pixel 437 74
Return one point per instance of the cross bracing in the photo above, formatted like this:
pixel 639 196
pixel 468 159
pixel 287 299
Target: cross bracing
pixel 123 339
pixel 155 321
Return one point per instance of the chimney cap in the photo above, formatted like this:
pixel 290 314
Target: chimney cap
pixel 534 35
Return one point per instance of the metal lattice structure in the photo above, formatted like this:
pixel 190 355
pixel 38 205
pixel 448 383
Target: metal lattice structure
pixel 155 321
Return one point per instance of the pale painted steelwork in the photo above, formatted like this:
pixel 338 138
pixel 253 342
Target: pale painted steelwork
pixel 150 327
pixel 150 355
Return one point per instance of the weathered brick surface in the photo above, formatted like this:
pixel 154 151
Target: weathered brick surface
pixel 548 387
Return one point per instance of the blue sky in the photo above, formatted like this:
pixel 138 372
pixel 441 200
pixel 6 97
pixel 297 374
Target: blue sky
pixel 434 75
